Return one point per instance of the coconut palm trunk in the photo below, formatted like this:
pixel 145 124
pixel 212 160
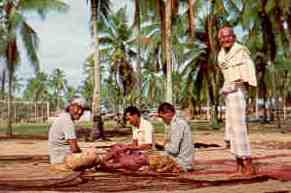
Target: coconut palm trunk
pixel 214 79
pixel 3 80
pixel 191 18
pixel 11 62
pixel 168 49
pixel 9 110
pixel 138 63
pixel 97 130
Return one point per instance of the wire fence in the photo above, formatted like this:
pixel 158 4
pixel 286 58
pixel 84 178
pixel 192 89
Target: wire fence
pixel 24 111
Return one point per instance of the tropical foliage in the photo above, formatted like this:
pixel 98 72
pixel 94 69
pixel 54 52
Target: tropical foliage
pixel 168 52
pixel 15 28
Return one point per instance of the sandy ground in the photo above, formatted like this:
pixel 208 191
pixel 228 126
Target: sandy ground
pixel 263 144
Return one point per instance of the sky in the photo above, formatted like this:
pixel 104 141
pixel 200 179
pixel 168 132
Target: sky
pixel 64 41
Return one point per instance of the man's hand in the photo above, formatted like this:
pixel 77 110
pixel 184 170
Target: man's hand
pixel 162 142
pixel 74 146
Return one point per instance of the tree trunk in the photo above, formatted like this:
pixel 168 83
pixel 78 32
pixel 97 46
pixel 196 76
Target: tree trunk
pixel 256 104
pixel 9 111
pixel 3 80
pixel 214 79
pixel 278 109
pixel 208 111
pixel 97 130
pixel 191 19
pixel 168 50
pixel 58 103
pixel 214 98
pixel 138 62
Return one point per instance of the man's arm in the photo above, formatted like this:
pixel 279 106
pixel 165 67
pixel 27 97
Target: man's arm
pixel 74 146
pixel 249 71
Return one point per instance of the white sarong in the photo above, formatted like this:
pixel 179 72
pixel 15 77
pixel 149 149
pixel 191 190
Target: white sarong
pixel 236 123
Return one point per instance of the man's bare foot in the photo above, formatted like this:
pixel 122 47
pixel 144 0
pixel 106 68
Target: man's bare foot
pixel 236 174
pixel 249 171
pixel 227 144
pixel 249 168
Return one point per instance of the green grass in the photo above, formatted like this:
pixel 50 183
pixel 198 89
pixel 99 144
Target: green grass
pixel 28 129
pixel 195 126
pixel 42 128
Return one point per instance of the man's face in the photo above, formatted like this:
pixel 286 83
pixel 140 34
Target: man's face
pixel 76 111
pixel 133 119
pixel 166 116
pixel 226 37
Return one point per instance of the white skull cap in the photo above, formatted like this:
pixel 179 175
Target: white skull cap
pixel 79 101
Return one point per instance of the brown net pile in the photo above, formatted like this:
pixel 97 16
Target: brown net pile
pixel 33 175
pixel 122 182
pixel 37 176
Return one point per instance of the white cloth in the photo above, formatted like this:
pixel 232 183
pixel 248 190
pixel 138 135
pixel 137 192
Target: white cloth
pixel 237 68
pixel 144 133
pixel 236 129
pixel 61 130
pixel 236 64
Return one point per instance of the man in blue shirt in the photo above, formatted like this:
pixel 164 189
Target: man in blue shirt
pixel 179 144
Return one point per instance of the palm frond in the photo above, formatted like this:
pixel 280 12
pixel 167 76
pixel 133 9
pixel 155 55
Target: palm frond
pixel 31 41
pixel 42 7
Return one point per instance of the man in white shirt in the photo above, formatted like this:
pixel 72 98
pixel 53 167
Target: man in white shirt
pixel 142 131
pixel 62 139
pixel 142 140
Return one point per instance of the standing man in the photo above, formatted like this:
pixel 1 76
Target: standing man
pixel 179 146
pixel 239 72
pixel 62 139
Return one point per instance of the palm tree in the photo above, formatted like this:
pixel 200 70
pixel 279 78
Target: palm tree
pixel 16 28
pixel 99 11
pixel 202 79
pixel 37 88
pixel 263 20
pixel 153 87
pixel 167 32
pixel 137 23
pixel 118 51
pixel 191 18
pixel 58 84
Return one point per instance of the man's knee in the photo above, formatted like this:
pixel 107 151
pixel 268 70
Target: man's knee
pixel 86 159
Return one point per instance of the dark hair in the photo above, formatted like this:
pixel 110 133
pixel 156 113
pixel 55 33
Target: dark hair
pixel 132 110
pixel 166 107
